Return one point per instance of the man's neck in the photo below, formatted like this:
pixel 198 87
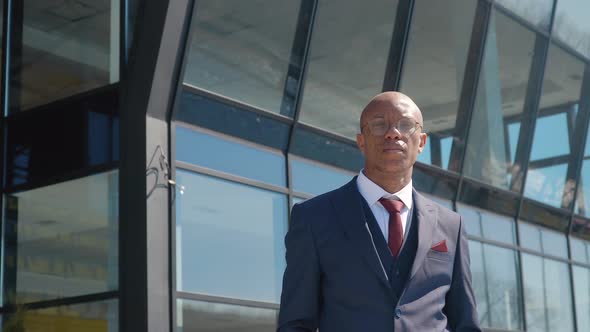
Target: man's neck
pixel 390 182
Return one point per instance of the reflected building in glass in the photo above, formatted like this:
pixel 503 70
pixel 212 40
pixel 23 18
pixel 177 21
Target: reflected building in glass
pixel 237 110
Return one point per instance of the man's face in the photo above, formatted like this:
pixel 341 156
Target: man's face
pixel 391 152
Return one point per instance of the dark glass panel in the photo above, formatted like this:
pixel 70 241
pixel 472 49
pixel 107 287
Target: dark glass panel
pixel 434 68
pixel 210 112
pixel 315 178
pixel 488 197
pixel 63 137
pixel 199 316
pixel 545 215
pixel 571 24
pixel 347 62
pixel 62 240
pixel 242 49
pixel 430 180
pixel 500 97
pixel 62 48
pixel 226 229
pixel 207 149
pixel 336 152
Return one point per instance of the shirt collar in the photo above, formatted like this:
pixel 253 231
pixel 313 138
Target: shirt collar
pixel 372 192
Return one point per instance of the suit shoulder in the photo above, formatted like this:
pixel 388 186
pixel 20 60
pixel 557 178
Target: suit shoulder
pixel 321 201
pixel 443 212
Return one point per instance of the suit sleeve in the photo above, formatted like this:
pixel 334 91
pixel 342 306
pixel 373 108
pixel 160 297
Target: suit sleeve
pixel 299 310
pixel 460 306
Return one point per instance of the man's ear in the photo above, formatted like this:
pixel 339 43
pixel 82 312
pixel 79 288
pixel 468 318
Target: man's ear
pixel 360 142
pixel 422 144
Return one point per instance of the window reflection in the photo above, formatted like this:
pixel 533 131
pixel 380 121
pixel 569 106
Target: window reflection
pixel 537 12
pixel 93 316
pixel 347 62
pixel 434 82
pixel 500 97
pixel 225 229
pixel 543 240
pixel 314 178
pixel 205 149
pixel 201 316
pixel 548 300
pixel 242 49
pixel 582 297
pixel 487 224
pixel 547 176
pixel 68 47
pixel 571 24
pixel 62 240
pixel 496 286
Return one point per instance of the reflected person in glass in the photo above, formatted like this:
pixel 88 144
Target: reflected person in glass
pixel 375 255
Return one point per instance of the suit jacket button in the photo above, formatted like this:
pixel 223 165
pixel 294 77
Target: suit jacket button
pixel 398 313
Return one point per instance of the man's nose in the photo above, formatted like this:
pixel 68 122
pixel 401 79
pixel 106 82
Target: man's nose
pixel 393 133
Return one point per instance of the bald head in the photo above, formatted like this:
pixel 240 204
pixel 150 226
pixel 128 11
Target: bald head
pixel 390 99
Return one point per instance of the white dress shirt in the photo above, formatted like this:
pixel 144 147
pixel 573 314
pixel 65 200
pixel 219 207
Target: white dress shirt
pixel 371 192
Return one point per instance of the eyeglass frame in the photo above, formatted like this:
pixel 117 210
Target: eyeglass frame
pixel 396 126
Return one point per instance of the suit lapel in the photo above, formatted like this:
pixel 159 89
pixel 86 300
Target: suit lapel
pixel 350 212
pixel 427 222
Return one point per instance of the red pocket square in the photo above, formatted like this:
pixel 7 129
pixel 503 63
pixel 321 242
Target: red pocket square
pixel 440 247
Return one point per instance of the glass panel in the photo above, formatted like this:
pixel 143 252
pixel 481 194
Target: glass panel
pixel 571 24
pixel 340 80
pixel 534 294
pixel 201 316
pixel 537 12
pixel 68 47
pixel 547 294
pixel 578 249
pixel 224 230
pixel 314 178
pixel 441 28
pixel 479 277
pixel 230 156
pixel 582 297
pixel 496 286
pixel 500 97
pixel 487 224
pixel 94 316
pixel 554 243
pixel 62 240
pixel 242 49
pixel 530 236
pixel 546 180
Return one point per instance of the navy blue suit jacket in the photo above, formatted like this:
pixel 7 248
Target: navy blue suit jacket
pixel 336 282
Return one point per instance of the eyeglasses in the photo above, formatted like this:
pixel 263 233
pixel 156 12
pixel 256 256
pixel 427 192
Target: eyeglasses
pixel 405 126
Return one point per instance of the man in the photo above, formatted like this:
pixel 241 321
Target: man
pixel 374 255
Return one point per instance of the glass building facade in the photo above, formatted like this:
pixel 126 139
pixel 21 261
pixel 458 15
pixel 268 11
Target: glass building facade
pixel 236 110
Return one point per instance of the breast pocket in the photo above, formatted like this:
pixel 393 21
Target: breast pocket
pixel 439 267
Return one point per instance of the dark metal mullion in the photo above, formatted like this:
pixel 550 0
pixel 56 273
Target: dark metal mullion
pixel 547 162
pixel 397 48
pixel 468 95
pixel 149 88
pixel 530 113
pixel 4 93
pixel 301 48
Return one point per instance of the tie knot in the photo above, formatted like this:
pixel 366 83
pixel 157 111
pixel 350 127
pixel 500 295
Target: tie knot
pixel 392 205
